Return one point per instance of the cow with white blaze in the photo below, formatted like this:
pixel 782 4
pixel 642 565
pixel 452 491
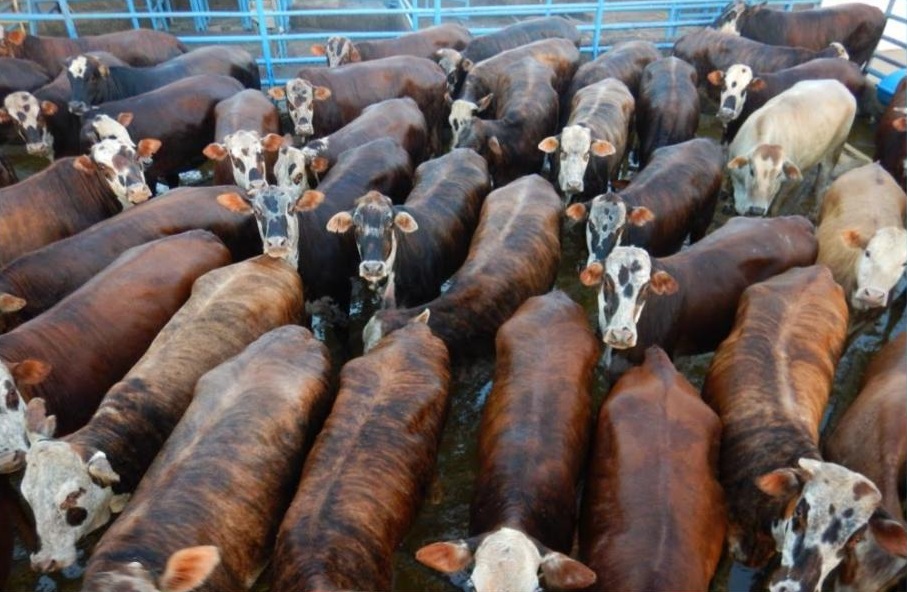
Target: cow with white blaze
pixel 802 127
pixel 599 126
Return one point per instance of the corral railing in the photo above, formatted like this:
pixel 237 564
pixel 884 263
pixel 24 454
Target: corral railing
pixel 281 32
pixel 885 60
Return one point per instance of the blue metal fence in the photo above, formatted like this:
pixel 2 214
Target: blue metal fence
pixel 873 69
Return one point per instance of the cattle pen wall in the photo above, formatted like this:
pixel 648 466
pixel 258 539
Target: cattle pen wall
pixel 280 32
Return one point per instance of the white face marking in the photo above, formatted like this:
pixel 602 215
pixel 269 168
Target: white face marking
pixel 461 115
pixel 733 92
pixel 78 66
pixel 506 561
pixel 338 50
pixel 626 273
pixel 55 473
pixel 247 158
pixel 573 158
pixel 108 128
pixel 278 225
pixel 758 182
pixel 13 438
pixel 120 166
pixel 25 110
pixel 290 169
pixel 879 267
pixel 301 105
pixel 605 226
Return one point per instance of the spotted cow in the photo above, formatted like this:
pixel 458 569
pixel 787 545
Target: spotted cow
pixel 300 96
pixel 422 43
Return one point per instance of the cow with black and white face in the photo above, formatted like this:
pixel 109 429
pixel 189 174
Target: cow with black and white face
pixel 734 83
pixel 462 114
pixel 275 209
pixel 294 165
pixel 122 167
pixel 338 50
pixel 301 96
pixel 246 151
pixel 87 78
pixel 576 149
pixel 13 436
pixel 454 65
pixel 727 21
pixel 608 217
pixel 104 127
pixel 29 115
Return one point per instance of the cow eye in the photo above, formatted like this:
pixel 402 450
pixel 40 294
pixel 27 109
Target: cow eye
pixel 867 254
pixel 76 516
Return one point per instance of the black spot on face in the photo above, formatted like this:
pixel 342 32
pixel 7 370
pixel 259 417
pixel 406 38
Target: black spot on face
pixel 848 513
pixel 623 275
pixel 831 509
pixel 833 532
pixel 76 516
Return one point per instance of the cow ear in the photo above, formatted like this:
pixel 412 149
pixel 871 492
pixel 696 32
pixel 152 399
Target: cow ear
pixel 576 212
pixel 215 151
pixel 603 148
pixel 889 535
pixel 355 56
pixel 272 142
pixel 549 144
pixel 592 275
pixel 10 303
pixel 781 483
pixel 484 102
pixel 124 119
pixel 791 171
pixel 148 147
pixel 738 162
pixel 466 64
pixel 495 146
pixel 38 425
pixel 319 164
pixel 277 93
pixel 188 568
pixel 103 70
pixel 756 85
pixel 716 77
pixel 899 124
pixel 100 471
pixel 29 372
pixel 321 93
pixel 5 117
pixel 405 222
pixel 318 49
pixel 234 202
pixel 446 557
pixel 15 37
pixel 422 317
pixel 340 222
pixel 853 239
pixel 564 573
pixel 662 283
pixel 639 216
pixel 84 164
pixel 48 108
pixel 309 200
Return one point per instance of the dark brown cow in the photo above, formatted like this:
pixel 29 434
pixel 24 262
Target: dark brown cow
pixel 513 255
pixel 423 44
pixel 891 141
pixel 16 75
pixel 414 248
pixel 525 114
pixel 7 173
pixel 241 124
pixel 625 61
pixel 208 486
pixel 533 441
pixel 710 50
pixel 18 522
pixel 45 276
pixel 668 108
pixel 457 64
pixel 83 345
pixel 364 479
pixel 322 100
pixel 871 439
pixel 99 465
pixel 690 297
pixel 769 382
pixel 857 26
pixel 742 91
pixel 139 47
pixel 672 198
pixel 652 488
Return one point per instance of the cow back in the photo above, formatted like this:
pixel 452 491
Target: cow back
pixel 17 74
pixel 668 107
pixel 521 33
pixel 422 44
pixel 625 61
pixel 558 54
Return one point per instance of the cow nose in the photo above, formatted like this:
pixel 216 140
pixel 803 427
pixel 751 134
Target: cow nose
pixel 372 270
pixel 36 148
pixel 77 107
pixel 254 174
pixel 575 186
pixel 725 114
pixel 138 193
pixel 277 242
pixel 44 565
pixel 755 211
pixel 620 338
pixel 305 129
pixel 873 296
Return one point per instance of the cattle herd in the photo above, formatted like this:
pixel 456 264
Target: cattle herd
pixel 155 365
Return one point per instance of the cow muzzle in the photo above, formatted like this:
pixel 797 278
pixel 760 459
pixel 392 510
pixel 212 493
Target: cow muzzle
pixel 277 247
pixel 38 149
pixel 756 211
pixel 373 271
pixel 870 298
pixel 78 107
pixel 622 338
pixel 726 115
pixel 305 129
pixel 137 193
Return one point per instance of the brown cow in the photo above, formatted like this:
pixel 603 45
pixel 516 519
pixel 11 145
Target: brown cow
pixel 209 486
pixel 513 255
pixel 90 339
pixel 533 441
pixel 422 43
pixel 625 61
pixel 102 463
pixel 871 439
pixel 45 276
pixel 16 75
pixel 891 141
pixel 690 298
pixel 668 108
pixel 363 480
pixel 652 488
pixel 769 382
pixel 7 173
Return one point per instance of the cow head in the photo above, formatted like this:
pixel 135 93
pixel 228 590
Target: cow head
pixel 30 118
pixel 727 21
pixel 10 41
pixel 69 494
pixel 462 114
pixel 451 61
pixel 757 178
pixel 246 151
pixel 375 220
pixel 734 85
pixel 13 435
pixel 301 96
pixel 867 566
pixel 338 51
pixel 275 209
pixel 507 560
pixel 608 217
pixel 121 166
pixel 576 149
pixel 879 264
pixel 89 79
pixel 626 281
pixel 103 127
pixel 294 164
pixel 827 509
pixel 186 570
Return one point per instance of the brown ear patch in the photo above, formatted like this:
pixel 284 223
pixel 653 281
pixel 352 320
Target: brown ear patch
pixel 663 284
pixel 549 145
pixel 272 142
pixel 234 202
pixel 319 50
pixel 900 124
pixel 215 151
pixel 576 212
pixel 125 119
pixel 277 93
pixel 309 200
pixel 84 164
pixel 716 77
pixel 446 557
pixel 592 274
pixel 148 147
pixel 641 215
pixel 188 568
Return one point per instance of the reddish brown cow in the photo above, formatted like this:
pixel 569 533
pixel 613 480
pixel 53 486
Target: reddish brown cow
pixel 364 479
pixel 664 504
pixel 891 140
pixel 139 47
pixel 16 75
pixel 45 276
pixel 769 382
pixel 871 439
pixel 668 108
pixel 209 486
pixel 423 44
pixel 79 348
pixel 17 522
pixel 513 255
pixel 99 465
pixel 625 61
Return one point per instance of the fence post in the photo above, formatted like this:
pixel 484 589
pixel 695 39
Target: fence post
pixel 437 16
pixel 265 42
pixel 597 32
